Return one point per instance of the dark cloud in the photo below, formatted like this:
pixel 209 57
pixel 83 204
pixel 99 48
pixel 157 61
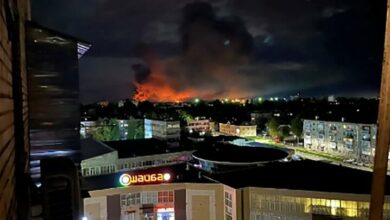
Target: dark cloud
pixel 141 72
pixel 317 47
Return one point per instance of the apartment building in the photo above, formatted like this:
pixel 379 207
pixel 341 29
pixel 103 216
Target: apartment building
pixel 162 129
pixel 238 130
pixel 349 140
pixel 198 125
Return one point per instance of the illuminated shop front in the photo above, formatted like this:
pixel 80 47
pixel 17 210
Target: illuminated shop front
pixel 148 205
pixel 165 214
pixel 167 201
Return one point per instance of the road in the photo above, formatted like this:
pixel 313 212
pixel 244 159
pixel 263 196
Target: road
pixel 316 156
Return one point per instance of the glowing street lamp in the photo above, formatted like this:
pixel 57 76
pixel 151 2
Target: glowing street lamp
pixel 196 100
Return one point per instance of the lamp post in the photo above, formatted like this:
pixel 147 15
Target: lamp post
pixel 383 140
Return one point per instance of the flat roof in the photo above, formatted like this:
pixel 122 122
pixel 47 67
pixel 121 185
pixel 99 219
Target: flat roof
pixel 301 175
pixel 82 45
pixel 143 147
pixel 304 175
pixel 230 153
pixel 91 148
pixel 178 171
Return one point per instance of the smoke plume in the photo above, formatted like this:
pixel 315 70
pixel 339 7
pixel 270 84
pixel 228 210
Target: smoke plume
pixel 208 67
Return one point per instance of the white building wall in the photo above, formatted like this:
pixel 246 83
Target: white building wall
pixel 163 130
pixel 125 164
pixel 103 164
pixel 198 125
pixel 349 140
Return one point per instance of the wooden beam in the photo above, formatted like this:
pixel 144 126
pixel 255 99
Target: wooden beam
pixel 383 138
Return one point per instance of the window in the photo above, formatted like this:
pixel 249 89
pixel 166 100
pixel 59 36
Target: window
pixel 228 206
pixel 130 199
pixel 149 197
pixel 165 196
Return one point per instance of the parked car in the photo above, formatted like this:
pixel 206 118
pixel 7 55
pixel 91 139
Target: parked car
pixel 349 160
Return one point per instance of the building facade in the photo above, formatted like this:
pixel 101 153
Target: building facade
pixel 348 140
pixel 127 129
pixel 260 115
pixel 110 163
pixel 53 82
pixel 267 203
pixel 197 125
pixel 87 128
pixel 162 130
pixel 14 113
pixel 238 130
pixel 107 160
pixel 216 201
pixel 163 202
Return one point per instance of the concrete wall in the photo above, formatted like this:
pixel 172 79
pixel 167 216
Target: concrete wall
pixel 208 201
pixel 202 125
pixel 238 130
pixel 263 203
pixel 191 201
pixel 100 165
pixel 349 140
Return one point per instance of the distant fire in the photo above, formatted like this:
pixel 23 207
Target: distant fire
pixel 158 86
pixel 213 63
pixel 158 89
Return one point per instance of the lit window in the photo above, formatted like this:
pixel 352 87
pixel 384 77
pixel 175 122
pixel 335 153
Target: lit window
pixel 165 197
pixel 130 199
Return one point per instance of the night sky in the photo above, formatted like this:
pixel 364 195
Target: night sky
pixel 178 49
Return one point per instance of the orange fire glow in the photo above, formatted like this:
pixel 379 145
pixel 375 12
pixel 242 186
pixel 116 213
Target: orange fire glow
pixel 157 88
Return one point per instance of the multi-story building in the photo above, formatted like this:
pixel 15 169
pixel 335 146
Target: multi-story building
pixel 165 202
pixel 198 125
pixel 53 84
pixel 332 98
pixel 162 129
pixel 164 194
pixel 238 130
pixel 349 140
pixel 100 158
pixel 260 115
pixel 87 128
pixel 14 112
pixel 123 129
pixel 127 129
pixel 220 202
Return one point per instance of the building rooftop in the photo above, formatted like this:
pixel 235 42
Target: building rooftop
pixel 179 172
pixel 82 46
pixel 230 153
pixel 91 148
pixel 301 175
pixel 143 147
